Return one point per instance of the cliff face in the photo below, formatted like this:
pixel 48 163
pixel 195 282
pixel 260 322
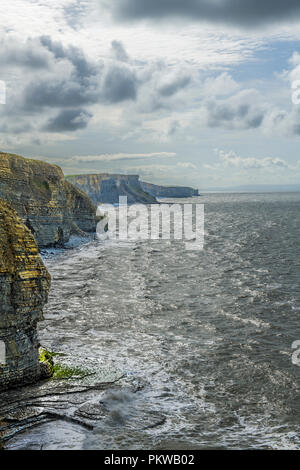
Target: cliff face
pixel 169 191
pixel 51 207
pixel 24 286
pixel 106 188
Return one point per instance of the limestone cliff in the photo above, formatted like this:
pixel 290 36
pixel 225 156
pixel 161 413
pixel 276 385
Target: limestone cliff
pixel 107 188
pixel 51 207
pixel 169 191
pixel 24 286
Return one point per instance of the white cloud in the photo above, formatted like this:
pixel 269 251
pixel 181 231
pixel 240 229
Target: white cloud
pixel 231 159
pixel 221 85
pixel 186 165
pixel 119 156
pixel 171 88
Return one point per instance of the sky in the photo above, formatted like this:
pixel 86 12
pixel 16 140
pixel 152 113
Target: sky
pixel 203 93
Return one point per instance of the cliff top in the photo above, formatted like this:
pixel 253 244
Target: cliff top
pixel 168 186
pixel 102 175
pixel 36 179
pixel 13 162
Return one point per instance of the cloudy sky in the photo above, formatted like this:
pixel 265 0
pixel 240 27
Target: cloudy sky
pixel 194 92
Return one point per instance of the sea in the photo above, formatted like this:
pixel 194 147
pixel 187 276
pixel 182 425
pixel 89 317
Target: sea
pixel 209 335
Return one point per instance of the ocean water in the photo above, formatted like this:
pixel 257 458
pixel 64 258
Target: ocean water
pixel 207 334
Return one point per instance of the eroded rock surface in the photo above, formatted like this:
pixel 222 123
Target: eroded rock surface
pixel 72 398
pixel 51 207
pixel 24 286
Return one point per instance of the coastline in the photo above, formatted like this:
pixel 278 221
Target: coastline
pixel 73 243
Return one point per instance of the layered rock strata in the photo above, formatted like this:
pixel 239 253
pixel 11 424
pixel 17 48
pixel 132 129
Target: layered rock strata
pixel 51 207
pixel 107 188
pixel 24 286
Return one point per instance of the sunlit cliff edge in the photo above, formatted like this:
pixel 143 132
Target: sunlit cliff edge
pixel 24 287
pixel 49 205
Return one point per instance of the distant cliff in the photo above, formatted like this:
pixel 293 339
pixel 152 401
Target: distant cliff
pixel 107 188
pixel 51 207
pixel 24 286
pixel 169 191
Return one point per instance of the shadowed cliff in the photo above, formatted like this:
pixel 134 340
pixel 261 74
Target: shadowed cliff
pixel 169 191
pixel 106 188
pixel 51 207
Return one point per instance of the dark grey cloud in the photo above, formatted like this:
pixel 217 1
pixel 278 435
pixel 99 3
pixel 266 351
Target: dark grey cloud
pixel 58 93
pixel 241 12
pixel 232 115
pixel 87 83
pixel 174 127
pixel 119 51
pixel 120 84
pixel 57 76
pixel 255 121
pixel 30 54
pixel 172 87
pixel 68 120
pixel 82 67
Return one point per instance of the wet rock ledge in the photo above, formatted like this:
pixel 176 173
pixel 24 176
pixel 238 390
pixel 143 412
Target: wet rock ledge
pixel 24 286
